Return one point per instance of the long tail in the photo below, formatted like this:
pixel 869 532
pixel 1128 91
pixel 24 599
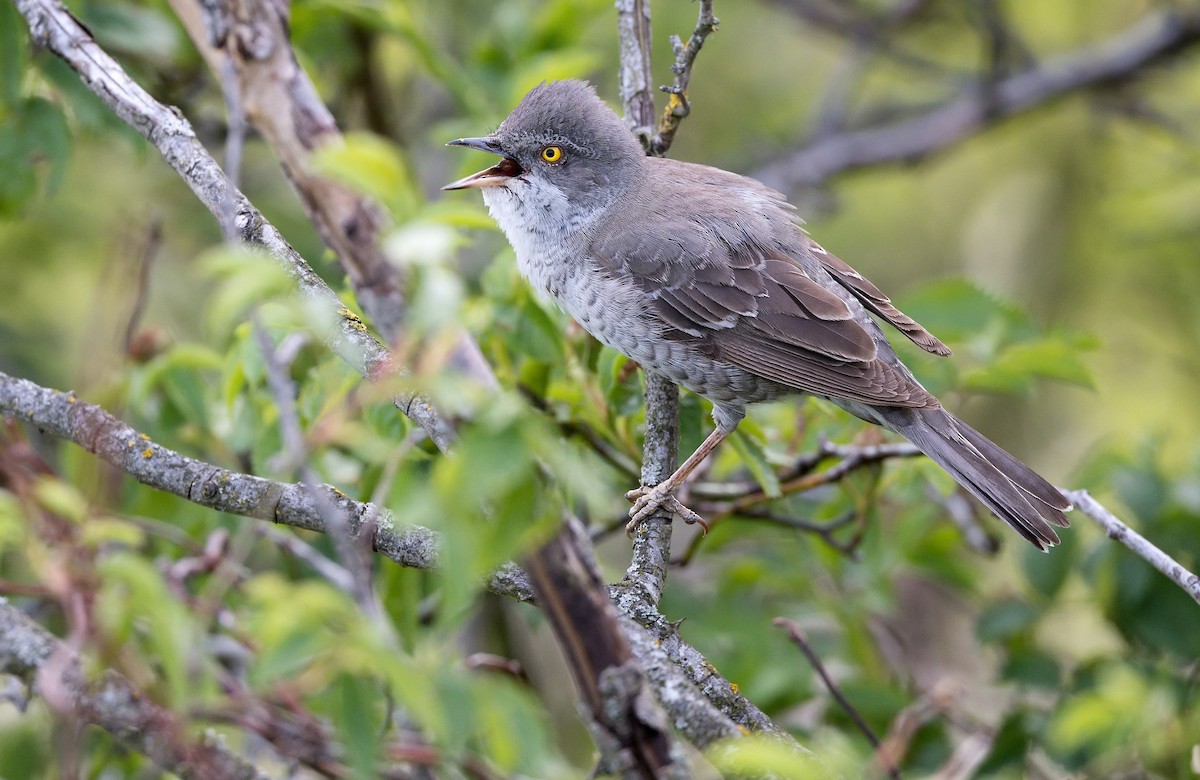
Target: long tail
pixel 1012 490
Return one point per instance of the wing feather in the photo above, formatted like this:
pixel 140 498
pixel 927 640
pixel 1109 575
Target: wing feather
pixel 875 301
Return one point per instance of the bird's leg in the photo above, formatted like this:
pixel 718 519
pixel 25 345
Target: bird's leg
pixel 646 500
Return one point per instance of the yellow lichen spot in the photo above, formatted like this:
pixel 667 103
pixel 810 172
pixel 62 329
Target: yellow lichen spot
pixel 674 101
pixel 734 687
pixel 743 729
pixel 143 437
pixel 71 399
pixel 353 319
pixel 148 453
pixel 131 444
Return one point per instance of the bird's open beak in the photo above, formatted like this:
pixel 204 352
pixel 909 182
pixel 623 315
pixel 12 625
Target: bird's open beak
pixel 496 176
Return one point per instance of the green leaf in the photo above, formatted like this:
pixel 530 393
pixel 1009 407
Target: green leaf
pixel 1033 668
pixel 247 279
pixel 34 135
pixel 61 498
pixel 133 603
pixel 956 309
pixel 460 213
pixel 374 167
pixel 138 29
pixel 1017 365
pixel 1005 620
pixel 14 55
pixel 759 756
pixel 537 334
pixel 14 525
pixel 1047 573
pixel 357 724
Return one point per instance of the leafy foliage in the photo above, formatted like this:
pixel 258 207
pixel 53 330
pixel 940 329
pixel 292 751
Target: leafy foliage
pixel 1081 658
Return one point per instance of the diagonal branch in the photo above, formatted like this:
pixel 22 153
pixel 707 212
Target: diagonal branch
pixel 1155 38
pixel 91 427
pixel 252 40
pixel 1140 545
pixel 53 26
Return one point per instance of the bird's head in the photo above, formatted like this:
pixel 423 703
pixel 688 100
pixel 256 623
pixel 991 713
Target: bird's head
pixel 565 156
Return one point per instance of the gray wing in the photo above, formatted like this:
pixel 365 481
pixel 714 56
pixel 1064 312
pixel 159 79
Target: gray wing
pixel 758 309
pixel 875 301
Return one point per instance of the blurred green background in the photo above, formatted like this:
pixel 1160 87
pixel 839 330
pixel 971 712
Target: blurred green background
pixel 1056 252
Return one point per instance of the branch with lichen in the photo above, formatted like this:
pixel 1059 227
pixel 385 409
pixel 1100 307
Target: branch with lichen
pixel 286 503
pixel 678 105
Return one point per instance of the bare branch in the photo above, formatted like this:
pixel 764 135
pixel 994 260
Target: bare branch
pixel 110 702
pixel 678 105
pixel 797 636
pixel 1155 38
pixel 1140 546
pixel 636 77
pixel 630 729
pixel 53 26
pixel 652 540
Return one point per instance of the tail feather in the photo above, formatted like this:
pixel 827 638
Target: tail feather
pixel 1024 477
pixel 1005 485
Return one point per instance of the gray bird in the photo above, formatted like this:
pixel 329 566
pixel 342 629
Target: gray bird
pixel 707 278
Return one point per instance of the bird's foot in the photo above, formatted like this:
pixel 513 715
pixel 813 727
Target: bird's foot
pixel 648 500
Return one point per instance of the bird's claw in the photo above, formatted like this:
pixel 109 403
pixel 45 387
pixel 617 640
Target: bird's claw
pixel 648 500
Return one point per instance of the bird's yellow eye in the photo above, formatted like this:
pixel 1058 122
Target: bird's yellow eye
pixel 552 154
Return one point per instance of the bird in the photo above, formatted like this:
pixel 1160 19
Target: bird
pixel 709 279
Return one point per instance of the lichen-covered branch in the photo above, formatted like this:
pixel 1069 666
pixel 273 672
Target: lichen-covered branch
pixel 91 427
pixel 678 104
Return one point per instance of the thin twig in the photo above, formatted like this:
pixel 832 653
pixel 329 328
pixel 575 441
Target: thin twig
pixel 823 530
pixel 797 636
pixel 332 571
pixel 853 454
pixel 600 445
pixel 678 104
pixel 1140 545
pixel 141 291
pixel 896 743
